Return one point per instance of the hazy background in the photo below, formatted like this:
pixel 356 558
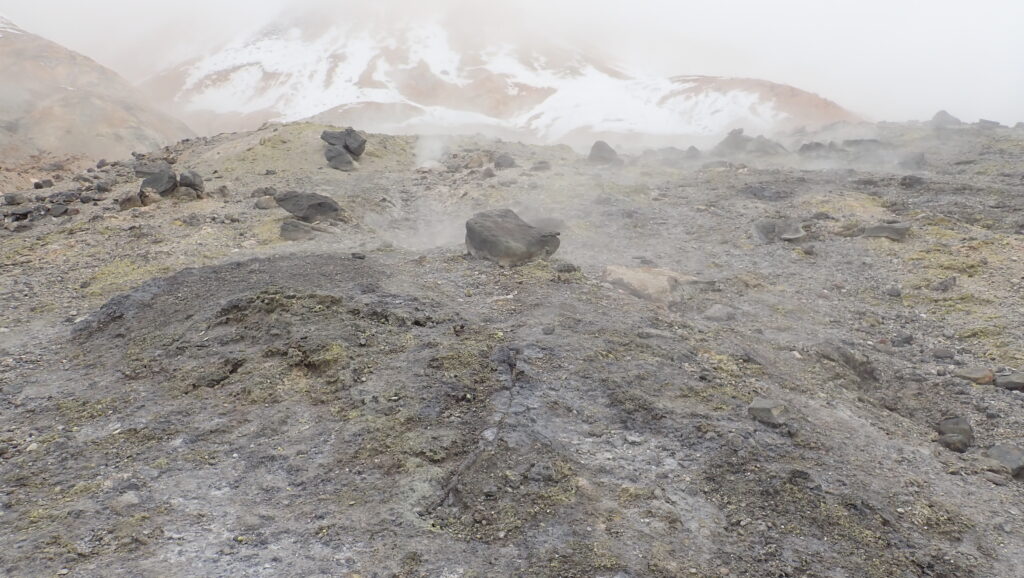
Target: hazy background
pixel 884 59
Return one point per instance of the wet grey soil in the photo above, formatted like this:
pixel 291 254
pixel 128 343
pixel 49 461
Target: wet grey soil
pixel 221 403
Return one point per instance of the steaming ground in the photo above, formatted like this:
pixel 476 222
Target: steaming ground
pixel 186 394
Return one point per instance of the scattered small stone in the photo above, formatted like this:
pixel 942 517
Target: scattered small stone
pixel 790 230
pixel 720 313
pixel 263 192
pixel 359 256
pixel 894 232
pixel 956 434
pixel 911 181
pixel 767 411
pixel 765 193
pixel 548 330
pixel 634 439
pixel 979 375
pixel 943 353
pixel 43 184
pixel 501 236
pixel 125 501
pixel 1013 381
pixel 541 166
pixel 944 286
pixel 488 173
pixel 295 230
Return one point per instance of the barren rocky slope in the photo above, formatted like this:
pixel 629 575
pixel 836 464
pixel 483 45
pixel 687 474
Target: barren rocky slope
pixel 56 101
pixel 185 393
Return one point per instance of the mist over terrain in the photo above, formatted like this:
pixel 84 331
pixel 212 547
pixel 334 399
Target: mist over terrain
pixel 882 60
pixel 484 289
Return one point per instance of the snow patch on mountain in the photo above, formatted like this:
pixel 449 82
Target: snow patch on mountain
pixel 287 73
pixel 6 25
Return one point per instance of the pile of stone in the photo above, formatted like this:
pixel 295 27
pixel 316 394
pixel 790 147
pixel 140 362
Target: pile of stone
pixel 159 182
pixel 344 147
pixel 20 210
pixel 739 144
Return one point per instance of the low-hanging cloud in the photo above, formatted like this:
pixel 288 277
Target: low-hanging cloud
pixel 885 60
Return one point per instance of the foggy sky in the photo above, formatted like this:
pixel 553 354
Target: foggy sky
pixel 884 59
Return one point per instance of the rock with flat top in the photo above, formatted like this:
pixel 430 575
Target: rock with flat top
pixel 1013 381
pixel 893 232
pixel 979 375
pixel 652 284
pixel 768 411
pixel 501 236
pixel 1010 456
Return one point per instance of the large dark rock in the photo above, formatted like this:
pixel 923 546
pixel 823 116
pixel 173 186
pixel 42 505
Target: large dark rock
pixel 339 158
pixel 192 180
pixel 308 207
pixel 943 119
pixel 504 161
pixel 1010 456
pixel 501 236
pixel 603 154
pixel 348 139
pixel 160 183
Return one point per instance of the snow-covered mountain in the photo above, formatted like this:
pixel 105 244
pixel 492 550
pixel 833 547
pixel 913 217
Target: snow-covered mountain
pixel 55 100
pixel 420 78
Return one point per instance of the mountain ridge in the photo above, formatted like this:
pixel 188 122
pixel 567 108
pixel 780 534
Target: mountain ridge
pixel 423 79
pixel 58 101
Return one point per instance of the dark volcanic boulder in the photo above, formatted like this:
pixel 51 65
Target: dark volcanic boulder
pixel 501 236
pixel 192 180
pixel 348 139
pixel 737 143
pixel 504 161
pixel 339 158
pixel 144 168
pixel 160 183
pixel 943 119
pixel 603 154
pixel 308 207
